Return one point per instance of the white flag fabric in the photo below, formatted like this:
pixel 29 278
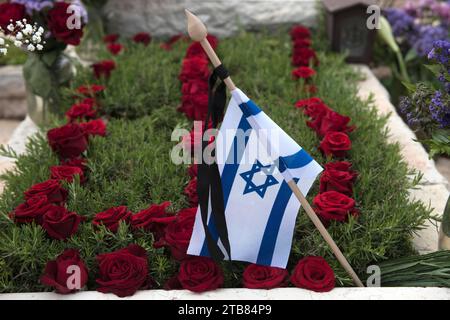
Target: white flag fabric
pixel 260 208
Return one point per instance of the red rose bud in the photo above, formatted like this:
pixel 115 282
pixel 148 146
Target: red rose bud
pixel 264 277
pixel 199 274
pixel 112 217
pixel 111 38
pixel 66 173
pixel 10 11
pixel 303 73
pixel 194 68
pixel 143 37
pixel 154 219
pixel 32 210
pixel 300 32
pixel 94 128
pixel 340 166
pixel 178 234
pixel 191 192
pixel 90 91
pixel 103 68
pixel 123 272
pixel 57 18
pixel 67 274
pixel 59 223
pixel 334 179
pixel 334 206
pixel 81 111
pixel 115 48
pixel 68 141
pixel 51 189
pixel 313 273
pixel 336 144
pixel 301 43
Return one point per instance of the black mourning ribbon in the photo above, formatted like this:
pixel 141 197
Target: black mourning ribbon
pixel 209 184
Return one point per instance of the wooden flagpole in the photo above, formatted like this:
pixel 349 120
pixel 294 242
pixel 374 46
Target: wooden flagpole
pixel 198 32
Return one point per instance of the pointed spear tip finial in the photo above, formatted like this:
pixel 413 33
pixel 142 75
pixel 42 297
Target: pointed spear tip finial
pixel 196 29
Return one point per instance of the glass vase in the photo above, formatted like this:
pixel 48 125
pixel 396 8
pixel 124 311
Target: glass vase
pixel 45 74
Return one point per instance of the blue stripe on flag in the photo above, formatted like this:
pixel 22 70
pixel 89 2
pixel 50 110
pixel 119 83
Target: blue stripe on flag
pixel 270 236
pixel 250 109
pixel 295 161
pixel 229 173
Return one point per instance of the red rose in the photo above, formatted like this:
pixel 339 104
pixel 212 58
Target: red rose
pixel 195 68
pixel 81 111
pixel 57 272
pixel 191 192
pixel 10 11
pixel 303 56
pixel 68 141
pixel 76 162
pixel 200 274
pixel 195 107
pixel 194 87
pixel 336 144
pixel 143 37
pixel 103 68
pixel 333 121
pixel 263 277
pixel 115 48
pixel 178 234
pixel 300 32
pixel 57 19
pixel 195 50
pixel 59 223
pixel 94 128
pixel 66 173
pixel 313 273
pixel 32 210
pixel 303 73
pixel 112 217
pixel 193 171
pixel 335 179
pixel 90 91
pixel 154 219
pixel 334 206
pixel 111 38
pixel 123 272
pixel 51 189
pixel 301 43
pixel 313 108
pixel 172 40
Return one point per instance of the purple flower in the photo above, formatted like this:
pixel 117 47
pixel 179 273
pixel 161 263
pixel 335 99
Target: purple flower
pixel 34 5
pixel 426 37
pixel 440 110
pixel 401 22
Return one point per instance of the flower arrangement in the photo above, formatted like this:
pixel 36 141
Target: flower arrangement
pixel 427 108
pixel 44 28
pixel 124 214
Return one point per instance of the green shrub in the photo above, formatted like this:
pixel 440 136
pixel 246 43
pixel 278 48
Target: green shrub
pixel 131 166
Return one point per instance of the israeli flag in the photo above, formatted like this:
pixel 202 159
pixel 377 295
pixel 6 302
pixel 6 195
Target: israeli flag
pixel 260 208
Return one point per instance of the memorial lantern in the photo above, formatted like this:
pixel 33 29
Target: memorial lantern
pixel 348 30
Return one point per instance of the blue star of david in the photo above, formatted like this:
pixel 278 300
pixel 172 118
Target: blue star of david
pixel 248 177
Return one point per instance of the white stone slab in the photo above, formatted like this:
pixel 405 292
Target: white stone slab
pixel 433 190
pixel 245 294
pixel 12 93
pixel 223 17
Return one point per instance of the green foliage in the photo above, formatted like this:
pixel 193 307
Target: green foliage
pixel 430 270
pixel 131 166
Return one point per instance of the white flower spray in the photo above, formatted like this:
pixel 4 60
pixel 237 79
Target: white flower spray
pixel 24 35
